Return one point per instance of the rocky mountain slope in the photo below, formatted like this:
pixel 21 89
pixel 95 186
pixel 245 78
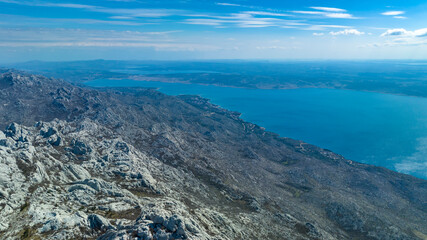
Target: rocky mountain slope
pixel 80 163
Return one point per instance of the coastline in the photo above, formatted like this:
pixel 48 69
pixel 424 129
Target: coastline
pixel 166 80
pixel 287 124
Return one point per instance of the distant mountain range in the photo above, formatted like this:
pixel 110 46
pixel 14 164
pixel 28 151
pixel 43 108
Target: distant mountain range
pixel 133 163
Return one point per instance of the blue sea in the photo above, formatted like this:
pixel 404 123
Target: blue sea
pixel 380 129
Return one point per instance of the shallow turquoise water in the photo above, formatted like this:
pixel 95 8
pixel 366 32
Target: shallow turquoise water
pixel 380 129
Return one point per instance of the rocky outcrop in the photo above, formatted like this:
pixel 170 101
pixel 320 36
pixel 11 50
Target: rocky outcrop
pixel 112 193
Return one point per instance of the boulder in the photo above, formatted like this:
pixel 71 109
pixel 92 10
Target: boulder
pixel 80 148
pixel 99 223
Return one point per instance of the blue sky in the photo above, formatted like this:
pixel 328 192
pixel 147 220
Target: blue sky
pixel 201 29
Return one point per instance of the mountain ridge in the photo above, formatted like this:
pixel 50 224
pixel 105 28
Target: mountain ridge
pixel 240 177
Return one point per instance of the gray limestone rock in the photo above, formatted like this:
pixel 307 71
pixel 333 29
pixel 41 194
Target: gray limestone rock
pixel 99 223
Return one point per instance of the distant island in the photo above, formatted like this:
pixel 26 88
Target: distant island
pixel 402 77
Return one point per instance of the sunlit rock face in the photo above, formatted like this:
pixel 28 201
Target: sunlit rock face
pixel 55 190
pixel 79 163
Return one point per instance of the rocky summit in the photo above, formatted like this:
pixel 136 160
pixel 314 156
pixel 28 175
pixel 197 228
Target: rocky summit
pixel 132 163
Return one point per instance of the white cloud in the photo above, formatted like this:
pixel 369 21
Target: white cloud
pixel 174 47
pixel 242 23
pixel 327 14
pixel 395 32
pixel 329 9
pixel 262 13
pixel 67 5
pixel 347 32
pixel 122 17
pixel 228 4
pixel 403 37
pixel 249 19
pixel 30 21
pixel 41 38
pixel 405 33
pixel 140 12
pixel 203 21
pixel 339 15
pixel 333 26
pixel 318 34
pixel 130 12
pixel 47 4
pixel 393 13
pixel 309 12
pixel 324 27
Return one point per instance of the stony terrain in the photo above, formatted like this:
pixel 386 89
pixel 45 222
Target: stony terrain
pixel 80 163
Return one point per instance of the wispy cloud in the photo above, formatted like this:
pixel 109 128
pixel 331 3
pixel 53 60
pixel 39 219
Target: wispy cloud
pixel 257 17
pixel 325 27
pixel 203 21
pixel 140 12
pixel 60 34
pixel 49 4
pixel 309 12
pixel 122 17
pixel 340 15
pixel 248 19
pixel 121 12
pixel 354 32
pixel 393 13
pixel 12 20
pixel 228 4
pixel 242 23
pixel 263 13
pixel 328 13
pixel 30 37
pixel 156 45
pixel 329 9
pixel 98 21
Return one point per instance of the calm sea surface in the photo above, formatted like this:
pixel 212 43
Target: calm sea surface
pixel 374 128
